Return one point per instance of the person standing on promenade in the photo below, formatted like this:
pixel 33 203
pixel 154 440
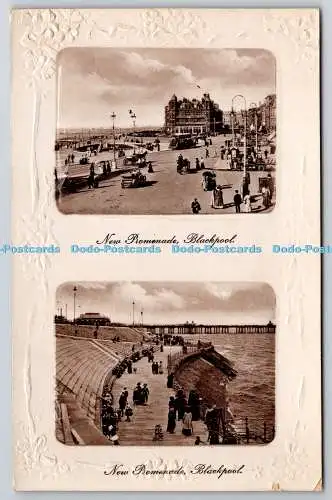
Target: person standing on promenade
pixel 171 422
pixel 237 202
pixel 145 393
pixel 195 206
pixel 122 402
pixel 187 423
pixel 247 203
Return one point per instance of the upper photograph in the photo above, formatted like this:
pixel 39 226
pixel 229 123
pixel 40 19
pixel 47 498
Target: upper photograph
pixel 165 131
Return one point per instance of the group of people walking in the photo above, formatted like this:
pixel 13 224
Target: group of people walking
pixel 182 409
pixel 157 368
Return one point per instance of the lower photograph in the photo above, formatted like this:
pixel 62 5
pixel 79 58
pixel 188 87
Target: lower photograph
pixel 165 363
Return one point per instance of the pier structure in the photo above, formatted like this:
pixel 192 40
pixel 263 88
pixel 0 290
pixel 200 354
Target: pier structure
pixel 198 329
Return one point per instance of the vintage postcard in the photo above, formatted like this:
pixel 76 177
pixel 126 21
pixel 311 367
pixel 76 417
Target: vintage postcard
pixel 166 250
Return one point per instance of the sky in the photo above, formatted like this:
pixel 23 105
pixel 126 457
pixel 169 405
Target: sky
pixel 95 82
pixel 170 302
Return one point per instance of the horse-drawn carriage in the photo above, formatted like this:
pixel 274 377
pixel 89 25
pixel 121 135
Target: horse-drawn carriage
pixel 133 180
pixel 184 166
pixel 209 181
pixel 136 159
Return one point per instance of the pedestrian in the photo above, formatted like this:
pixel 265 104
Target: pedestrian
pixel 187 423
pixel 217 200
pixel 145 393
pixel 160 368
pixel 237 201
pixel 198 166
pixel 170 379
pixel 211 420
pixel 247 203
pixel 128 412
pixel 137 395
pixel 180 403
pixel 195 206
pixel 266 196
pixel 171 420
pixel 207 153
pixel 122 403
pixel 202 163
pixel 91 179
pixel 194 404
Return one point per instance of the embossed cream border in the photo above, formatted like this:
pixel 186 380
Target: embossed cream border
pixel 293 460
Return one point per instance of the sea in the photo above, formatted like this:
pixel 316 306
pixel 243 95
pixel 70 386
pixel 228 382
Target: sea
pixel 252 392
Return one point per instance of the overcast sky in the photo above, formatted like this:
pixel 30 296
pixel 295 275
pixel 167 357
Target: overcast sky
pixel 218 303
pixel 94 82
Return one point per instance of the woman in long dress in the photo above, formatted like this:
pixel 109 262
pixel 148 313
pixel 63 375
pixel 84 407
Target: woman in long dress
pixel 217 199
pixel 171 423
pixel 187 423
pixel 247 203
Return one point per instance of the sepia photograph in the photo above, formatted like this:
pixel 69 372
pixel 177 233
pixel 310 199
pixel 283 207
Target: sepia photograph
pixel 165 363
pixel 165 131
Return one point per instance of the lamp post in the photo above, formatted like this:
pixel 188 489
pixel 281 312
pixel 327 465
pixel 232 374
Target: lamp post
pixel 142 323
pixel 253 106
pixel 245 132
pixel 113 116
pixel 133 313
pixel 74 293
pixel 233 133
pixel 133 117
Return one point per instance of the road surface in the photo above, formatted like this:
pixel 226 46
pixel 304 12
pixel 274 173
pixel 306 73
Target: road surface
pixel 167 192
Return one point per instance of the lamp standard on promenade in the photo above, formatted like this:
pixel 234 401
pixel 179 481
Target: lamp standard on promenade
pixel 113 116
pixel 74 294
pixel 253 106
pixel 133 304
pixel 245 131
pixel 133 117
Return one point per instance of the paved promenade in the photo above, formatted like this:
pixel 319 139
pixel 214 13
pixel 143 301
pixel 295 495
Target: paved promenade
pixel 167 192
pixel 140 430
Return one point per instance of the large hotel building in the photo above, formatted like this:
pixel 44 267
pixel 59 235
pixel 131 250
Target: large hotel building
pixel 204 116
pixel 193 116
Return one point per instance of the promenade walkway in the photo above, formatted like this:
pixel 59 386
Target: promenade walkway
pixel 140 430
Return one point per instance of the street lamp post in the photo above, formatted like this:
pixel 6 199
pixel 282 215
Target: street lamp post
pixel 233 133
pixel 133 313
pixel 74 292
pixel 245 132
pixel 253 105
pixel 133 117
pixel 113 116
pixel 142 323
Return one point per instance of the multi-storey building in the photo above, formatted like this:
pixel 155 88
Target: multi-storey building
pixel 193 116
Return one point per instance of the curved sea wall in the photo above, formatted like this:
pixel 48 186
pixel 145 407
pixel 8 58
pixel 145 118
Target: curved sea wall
pixel 205 371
